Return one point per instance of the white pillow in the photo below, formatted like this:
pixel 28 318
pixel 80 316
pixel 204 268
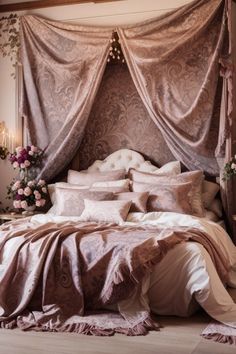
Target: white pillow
pixel 209 191
pixel 120 183
pixel 169 169
pixel 112 211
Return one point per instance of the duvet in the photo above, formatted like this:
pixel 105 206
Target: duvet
pixel 59 273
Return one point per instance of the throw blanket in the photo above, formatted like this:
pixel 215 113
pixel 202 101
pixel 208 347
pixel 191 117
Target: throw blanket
pixel 60 276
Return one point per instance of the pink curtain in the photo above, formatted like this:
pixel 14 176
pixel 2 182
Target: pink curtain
pixel 62 68
pixel 174 62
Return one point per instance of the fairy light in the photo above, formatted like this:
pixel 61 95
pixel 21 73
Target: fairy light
pixel 115 51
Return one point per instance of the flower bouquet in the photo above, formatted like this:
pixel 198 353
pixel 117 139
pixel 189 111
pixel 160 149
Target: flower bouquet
pixel 230 168
pixel 25 158
pixel 28 195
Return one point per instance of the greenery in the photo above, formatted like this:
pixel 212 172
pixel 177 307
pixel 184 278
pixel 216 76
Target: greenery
pixel 9 38
pixel 230 169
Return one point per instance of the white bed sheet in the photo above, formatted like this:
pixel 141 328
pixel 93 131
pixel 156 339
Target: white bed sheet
pixel 186 277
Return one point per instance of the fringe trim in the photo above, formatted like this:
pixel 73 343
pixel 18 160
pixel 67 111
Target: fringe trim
pixel 140 329
pixel 220 338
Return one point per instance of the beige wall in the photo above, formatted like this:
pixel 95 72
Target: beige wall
pixel 114 13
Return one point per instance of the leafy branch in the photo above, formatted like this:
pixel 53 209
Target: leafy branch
pixel 9 38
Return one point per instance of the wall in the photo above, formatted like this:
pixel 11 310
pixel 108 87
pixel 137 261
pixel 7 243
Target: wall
pixel 114 13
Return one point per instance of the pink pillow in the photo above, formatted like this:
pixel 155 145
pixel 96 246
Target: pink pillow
pixel 114 211
pixel 139 200
pixel 85 178
pixel 166 197
pixel 194 177
pixel 70 202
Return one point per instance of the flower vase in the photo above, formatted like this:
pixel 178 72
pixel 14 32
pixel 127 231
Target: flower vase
pixel 29 210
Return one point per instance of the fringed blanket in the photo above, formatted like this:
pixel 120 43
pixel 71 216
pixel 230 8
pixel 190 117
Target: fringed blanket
pixel 59 277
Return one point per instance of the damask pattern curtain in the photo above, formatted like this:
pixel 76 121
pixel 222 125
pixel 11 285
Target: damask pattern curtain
pixel 62 69
pixel 180 66
pixel 174 62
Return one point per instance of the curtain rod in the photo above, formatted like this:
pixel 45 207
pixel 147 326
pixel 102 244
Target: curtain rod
pixel 30 5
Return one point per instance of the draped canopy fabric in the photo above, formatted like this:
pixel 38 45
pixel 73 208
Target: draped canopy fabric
pixel 175 62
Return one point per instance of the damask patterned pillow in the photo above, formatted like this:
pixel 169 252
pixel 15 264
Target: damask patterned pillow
pixel 85 178
pixel 70 202
pixel 114 211
pixel 169 169
pixel 139 200
pixel 167 197
pixel 194 177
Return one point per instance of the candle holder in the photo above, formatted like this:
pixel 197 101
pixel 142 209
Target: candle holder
pixel 3 152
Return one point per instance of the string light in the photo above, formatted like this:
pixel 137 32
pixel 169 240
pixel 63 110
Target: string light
pixel 115 52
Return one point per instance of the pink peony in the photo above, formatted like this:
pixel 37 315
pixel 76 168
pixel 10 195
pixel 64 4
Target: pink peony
pixel 15 164
pixel 27 163
pixel 24 204
pixel 27 191
pixel 20 191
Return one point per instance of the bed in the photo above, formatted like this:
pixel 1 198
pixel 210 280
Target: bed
pixel 187 266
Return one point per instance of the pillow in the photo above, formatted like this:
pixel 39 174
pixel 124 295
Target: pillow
pixel 167 197
pixel 169 169
pixel 114 211
pixel 85 178
pixel 195 177
pixel 52 191
pixel 139 200
pixel 216 207
pixel 209 191
pixel 70 202
pixel 123 183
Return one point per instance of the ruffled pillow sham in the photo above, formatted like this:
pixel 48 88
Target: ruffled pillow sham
pixel 167 197
pixel 114 211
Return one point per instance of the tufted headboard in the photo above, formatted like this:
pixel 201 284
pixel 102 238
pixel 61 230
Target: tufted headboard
pixel 123 158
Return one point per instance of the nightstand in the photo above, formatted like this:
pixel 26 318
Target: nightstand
pixel 4 217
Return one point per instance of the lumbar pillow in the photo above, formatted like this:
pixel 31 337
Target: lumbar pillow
pixel 114 211
pixel 139 200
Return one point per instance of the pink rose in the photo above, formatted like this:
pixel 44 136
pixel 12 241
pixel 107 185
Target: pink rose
pixel 22 165
pixel 17 184
pixel 37 196
pixel 34 148
pixel 233 166
pixel 19 149
pixel 31 183
pixel 17 204
pixel 31 153
pixel 15 164
pixel 24 204
pixel 20 191
pixel 27 163
pixel 27 191
pixel 38 203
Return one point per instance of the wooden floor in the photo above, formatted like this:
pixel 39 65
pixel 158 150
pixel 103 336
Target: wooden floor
pixel 178 336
